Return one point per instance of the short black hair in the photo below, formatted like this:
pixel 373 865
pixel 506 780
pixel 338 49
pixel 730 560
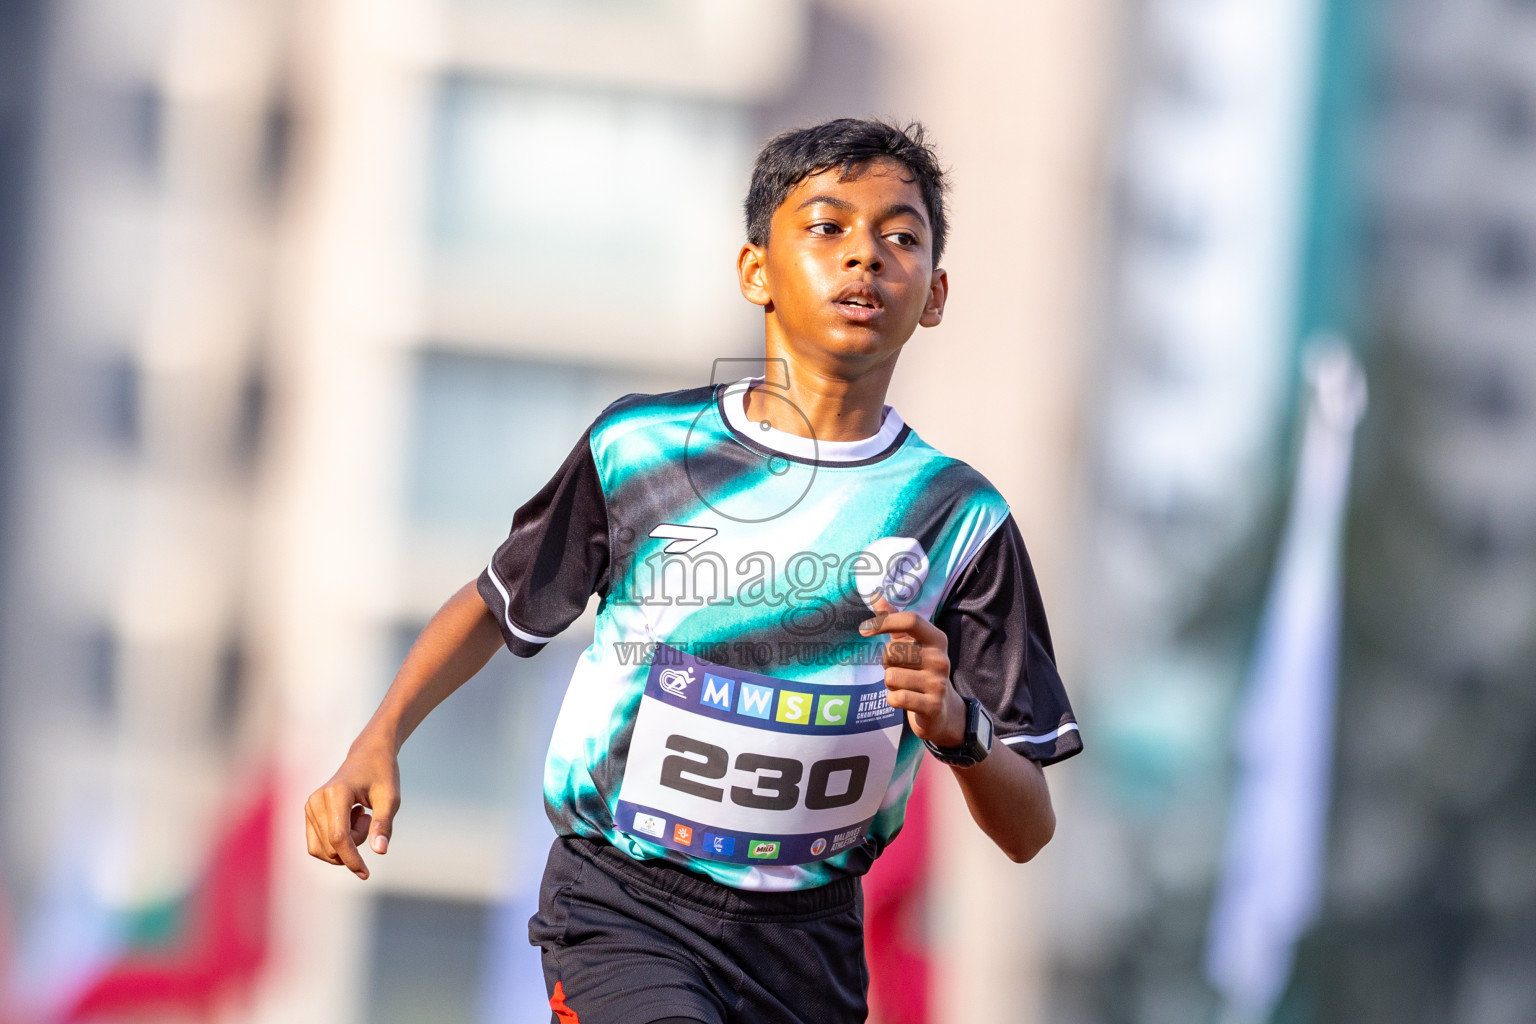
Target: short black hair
pixel 849 144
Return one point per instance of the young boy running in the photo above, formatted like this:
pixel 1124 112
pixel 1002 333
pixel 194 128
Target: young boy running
pixel 800 599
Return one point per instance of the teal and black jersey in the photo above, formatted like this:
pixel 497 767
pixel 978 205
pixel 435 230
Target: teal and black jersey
pixel 728 715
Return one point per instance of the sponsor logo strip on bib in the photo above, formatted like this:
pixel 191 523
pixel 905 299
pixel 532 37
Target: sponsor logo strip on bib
pixel 764 702
pixel 715 843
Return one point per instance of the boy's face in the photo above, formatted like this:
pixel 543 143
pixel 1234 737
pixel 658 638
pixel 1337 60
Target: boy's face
pixel 847 273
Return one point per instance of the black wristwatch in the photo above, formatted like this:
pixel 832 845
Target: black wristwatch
pixel 978 738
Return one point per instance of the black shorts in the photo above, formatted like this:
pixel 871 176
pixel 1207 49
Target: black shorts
pixel 631 942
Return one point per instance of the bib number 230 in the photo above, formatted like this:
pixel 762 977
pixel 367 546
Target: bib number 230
pixel 775 780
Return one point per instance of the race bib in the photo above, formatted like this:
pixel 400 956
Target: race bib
pixel 735 766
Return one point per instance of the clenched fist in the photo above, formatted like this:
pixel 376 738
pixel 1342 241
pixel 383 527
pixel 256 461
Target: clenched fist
pixel 917 673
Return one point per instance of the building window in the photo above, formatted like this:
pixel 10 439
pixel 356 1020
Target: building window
pixel 483 747
pixel 489 431
pixel 606 196
pixel 427 961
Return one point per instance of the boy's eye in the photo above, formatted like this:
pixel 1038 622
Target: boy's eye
pixel 825 228
pixel 903 237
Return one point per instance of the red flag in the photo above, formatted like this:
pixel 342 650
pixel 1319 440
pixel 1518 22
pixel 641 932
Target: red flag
pixel 223 942
pixel 8 1011
pixel 895 891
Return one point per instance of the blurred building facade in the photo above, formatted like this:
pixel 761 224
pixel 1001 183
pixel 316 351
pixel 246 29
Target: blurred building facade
pixel 1184 478
pixel 300 300
pixel 135 400
pixel 1431 908
pixel 316 295
pixel 1406 230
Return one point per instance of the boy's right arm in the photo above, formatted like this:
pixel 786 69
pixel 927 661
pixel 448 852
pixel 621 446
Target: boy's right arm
pixel 455 645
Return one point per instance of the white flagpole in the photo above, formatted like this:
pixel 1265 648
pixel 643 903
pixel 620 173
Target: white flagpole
pixel 1271 884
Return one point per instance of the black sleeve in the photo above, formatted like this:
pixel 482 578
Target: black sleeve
pixel 1000 650
pixel 555 558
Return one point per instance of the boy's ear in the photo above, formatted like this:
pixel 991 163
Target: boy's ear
pixel 938 294
pixel 752 273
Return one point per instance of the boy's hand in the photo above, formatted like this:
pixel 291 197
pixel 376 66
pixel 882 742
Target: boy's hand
pixel 336 816
pixel 917 673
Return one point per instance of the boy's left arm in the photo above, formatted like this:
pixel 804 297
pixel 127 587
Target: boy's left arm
pixel 1006 793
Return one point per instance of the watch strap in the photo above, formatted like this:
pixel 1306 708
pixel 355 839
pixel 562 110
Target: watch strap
pixel 973 749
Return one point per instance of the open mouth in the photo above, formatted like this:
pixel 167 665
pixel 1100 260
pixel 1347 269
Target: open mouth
pixel 858 301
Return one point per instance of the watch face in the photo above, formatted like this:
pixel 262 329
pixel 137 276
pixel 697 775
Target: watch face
pixel 984 729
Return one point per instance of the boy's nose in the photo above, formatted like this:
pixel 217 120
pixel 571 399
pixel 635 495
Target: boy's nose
pixel 866 259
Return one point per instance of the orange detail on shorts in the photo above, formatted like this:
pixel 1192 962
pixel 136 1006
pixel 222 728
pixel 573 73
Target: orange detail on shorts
pixel 557 1003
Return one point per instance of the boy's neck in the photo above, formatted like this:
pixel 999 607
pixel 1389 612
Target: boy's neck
pixel 838 405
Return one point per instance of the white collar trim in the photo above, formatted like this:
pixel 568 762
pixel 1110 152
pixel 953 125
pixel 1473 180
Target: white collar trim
pixel 734 402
